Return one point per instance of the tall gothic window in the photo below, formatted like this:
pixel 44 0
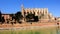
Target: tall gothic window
pixel 38 12
pixel 33 12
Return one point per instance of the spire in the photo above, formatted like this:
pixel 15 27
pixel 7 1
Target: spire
pixel 22 9
pixel 22 6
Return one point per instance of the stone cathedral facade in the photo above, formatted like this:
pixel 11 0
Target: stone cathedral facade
pixel 38 12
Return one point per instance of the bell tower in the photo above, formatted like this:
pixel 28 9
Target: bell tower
pixel 22 10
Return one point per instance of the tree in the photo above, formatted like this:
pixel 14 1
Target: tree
pixel 3 20
pixel 11 15
pixel 0 16
pixel 36 18
pixel 29 17
pixel 18 16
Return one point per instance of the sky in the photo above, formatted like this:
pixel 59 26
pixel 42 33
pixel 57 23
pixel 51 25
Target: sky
pixel 12 6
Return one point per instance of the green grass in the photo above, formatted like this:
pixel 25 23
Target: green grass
pixel 34 31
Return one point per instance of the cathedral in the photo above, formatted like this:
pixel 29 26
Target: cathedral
pixel 38 12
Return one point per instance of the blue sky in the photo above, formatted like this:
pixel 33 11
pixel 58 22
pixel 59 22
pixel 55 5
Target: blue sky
pixel 12 6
